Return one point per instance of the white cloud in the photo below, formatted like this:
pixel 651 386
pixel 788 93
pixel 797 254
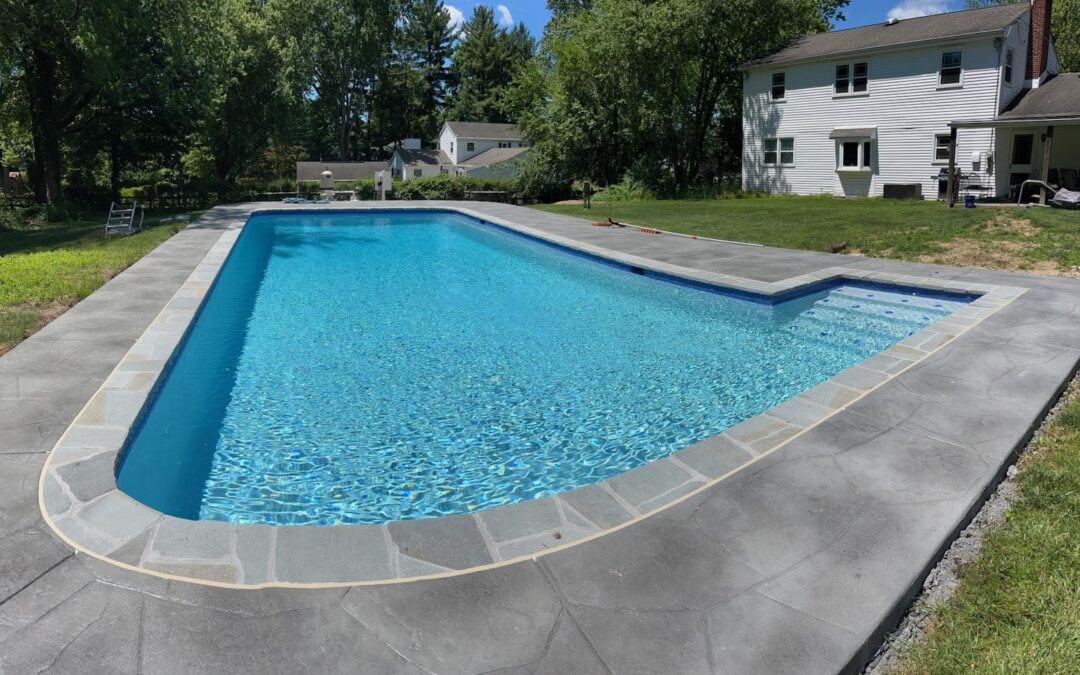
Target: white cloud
pixel 457 17
pixel 909 9
pixel 505 17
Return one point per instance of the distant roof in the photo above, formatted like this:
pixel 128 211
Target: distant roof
pixel 426 156
pixel 485 130
pixel 1058 97
pixel 494 156
pixel 879 35
pixel 343 171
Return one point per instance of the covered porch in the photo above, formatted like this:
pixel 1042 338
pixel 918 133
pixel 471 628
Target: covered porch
pixel 1036 138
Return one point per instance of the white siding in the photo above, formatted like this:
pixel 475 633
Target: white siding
pixel 1016 39
pixel 904 103
pixel 447 144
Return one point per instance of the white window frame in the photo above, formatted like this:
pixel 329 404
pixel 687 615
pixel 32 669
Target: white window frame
pixel 772 87
pixel 851 93
pixel 959 84
pixel 934 150
pixel 470 146
pixel 1009 58
pixel 778 150
pixel 864 164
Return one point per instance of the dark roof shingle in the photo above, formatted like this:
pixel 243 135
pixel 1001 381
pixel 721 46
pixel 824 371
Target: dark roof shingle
pixel 1058 97
pixel 485 130
pixel 343 171
pixel 426 156
pixel 875 36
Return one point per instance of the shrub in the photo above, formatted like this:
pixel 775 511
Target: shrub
pixel 449 187
pixel 364 188
pixel 629 190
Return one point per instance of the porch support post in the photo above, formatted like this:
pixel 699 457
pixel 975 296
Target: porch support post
pixel 1044 173
pixel 952 167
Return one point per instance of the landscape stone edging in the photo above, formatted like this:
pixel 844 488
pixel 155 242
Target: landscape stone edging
pixel 80 501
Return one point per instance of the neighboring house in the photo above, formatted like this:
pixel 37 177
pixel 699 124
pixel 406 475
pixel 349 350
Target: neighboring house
pixel 416 162
pixel 344 173
pixel 464 149
pixel 853 111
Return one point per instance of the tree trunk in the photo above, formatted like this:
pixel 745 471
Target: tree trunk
pixel 45 129
pixel 114 167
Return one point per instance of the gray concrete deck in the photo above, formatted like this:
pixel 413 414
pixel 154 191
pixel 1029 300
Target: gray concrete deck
pixel 799 563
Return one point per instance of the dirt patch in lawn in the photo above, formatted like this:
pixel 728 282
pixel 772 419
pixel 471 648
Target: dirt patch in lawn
pixel 991 254
pixel 1006 224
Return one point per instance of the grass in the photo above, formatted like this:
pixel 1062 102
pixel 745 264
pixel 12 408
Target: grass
pixel 1035 239
pixel 45 270
pixel 1017 608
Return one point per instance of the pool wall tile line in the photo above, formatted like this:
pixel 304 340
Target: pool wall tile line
pixel 79 499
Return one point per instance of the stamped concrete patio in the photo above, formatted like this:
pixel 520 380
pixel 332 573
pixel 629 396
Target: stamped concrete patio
pixel 799 563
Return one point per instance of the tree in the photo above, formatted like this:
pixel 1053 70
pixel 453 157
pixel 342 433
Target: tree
pixel 429 46
pixel 248 99
pixel 60 53
pixel 338 49
pixel 484 65
pixel 648 88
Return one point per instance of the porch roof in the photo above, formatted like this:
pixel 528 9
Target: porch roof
pixel 1054 103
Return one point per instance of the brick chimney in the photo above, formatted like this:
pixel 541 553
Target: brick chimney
pixel 1039 42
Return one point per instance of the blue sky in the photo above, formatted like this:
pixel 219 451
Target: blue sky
pixel 859 12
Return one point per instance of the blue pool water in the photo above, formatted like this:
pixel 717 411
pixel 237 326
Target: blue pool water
pixel 364 368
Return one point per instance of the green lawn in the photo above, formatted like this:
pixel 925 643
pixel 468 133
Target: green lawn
pixel 1017 609
pixel 1035 239
pixel 46 269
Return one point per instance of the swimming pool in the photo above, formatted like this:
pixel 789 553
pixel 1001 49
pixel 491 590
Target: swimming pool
pixel 372 367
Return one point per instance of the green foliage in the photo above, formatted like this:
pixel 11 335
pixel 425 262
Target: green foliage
pixel 627 190
pixel 484 65
pixel 448 187
pixel 364 188
pixel 651 88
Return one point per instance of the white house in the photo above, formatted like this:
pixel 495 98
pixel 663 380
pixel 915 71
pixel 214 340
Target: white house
pixel 464 149
pixel 883 108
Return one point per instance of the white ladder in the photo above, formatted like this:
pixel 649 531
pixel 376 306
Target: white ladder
pixel 122 220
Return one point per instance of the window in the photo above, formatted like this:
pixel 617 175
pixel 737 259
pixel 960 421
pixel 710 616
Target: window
pixel 855 155
pixel 1008 66
pixel 779 150
pixel 504 145
pixel 1023 145
pixel 451 147
pixel 941 147
pixel 858 84
pixel 843 81
pixel 851 79
pixel 779 86
pixel 470 147
pixel 417 173
pixel 951 69
pixel 787 151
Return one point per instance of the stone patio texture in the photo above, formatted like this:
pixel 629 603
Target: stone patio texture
pixel 800 562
